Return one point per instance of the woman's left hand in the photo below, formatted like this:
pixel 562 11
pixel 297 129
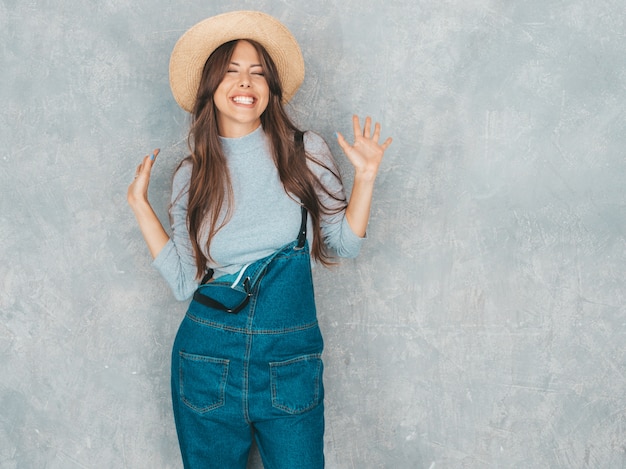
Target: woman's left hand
pixel 366 153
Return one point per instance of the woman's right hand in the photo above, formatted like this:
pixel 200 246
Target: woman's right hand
pixel 137 196
pixel 138 189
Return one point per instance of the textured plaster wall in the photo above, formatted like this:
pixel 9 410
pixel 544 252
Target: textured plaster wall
pixel 484 324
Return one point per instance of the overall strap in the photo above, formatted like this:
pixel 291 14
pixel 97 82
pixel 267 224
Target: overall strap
pixel 302 232
pixel 299 140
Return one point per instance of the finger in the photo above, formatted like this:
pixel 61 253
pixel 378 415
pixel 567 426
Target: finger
pixel 356 125
pixel 148 160
pixel 367 127
pixel 138 170
pixel 376 135
pixel 386 143
pixel 342 142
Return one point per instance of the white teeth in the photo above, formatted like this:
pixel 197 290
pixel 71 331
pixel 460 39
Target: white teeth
pixel 243 100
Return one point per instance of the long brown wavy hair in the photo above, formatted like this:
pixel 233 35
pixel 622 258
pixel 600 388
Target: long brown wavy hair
pixel 210 186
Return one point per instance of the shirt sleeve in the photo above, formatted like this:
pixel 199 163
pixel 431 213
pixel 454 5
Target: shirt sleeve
pixel 336 230
pixel 176 261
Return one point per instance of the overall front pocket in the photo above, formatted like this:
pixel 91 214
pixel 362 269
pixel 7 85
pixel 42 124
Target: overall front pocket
pixel 202 381
pixel 297 383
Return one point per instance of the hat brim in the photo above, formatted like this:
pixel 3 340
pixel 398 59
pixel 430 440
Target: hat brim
pixel 195 46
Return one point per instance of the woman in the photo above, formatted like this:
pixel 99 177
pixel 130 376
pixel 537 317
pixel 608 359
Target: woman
pixel 250 205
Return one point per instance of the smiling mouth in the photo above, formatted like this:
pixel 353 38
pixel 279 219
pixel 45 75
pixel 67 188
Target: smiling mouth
pixel 243 99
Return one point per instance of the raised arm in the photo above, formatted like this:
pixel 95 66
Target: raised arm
pixel 153 232
pixel 365 154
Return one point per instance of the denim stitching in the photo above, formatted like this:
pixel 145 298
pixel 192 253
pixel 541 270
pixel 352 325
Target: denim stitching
pixel 223 378
pixel 248 330
pixel 274 366
pixel 246 377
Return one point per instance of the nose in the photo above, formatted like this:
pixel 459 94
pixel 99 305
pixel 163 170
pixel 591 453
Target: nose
pixel 244 82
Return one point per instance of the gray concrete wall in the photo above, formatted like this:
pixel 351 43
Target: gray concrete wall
pixel 484 324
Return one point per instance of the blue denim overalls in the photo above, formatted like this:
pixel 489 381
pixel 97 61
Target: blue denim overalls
pixel 256 371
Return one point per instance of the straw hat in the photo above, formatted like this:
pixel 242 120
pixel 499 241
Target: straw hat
pixel 194 47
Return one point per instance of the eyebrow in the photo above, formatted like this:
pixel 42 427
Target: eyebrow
pixel 253 65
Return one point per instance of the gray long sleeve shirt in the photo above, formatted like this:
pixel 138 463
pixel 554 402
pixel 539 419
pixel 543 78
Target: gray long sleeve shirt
pixel 264 219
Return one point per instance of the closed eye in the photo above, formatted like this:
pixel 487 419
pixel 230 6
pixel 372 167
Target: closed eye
pixel 257 69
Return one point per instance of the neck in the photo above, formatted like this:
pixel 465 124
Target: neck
pixel 235 147
pixel 237 130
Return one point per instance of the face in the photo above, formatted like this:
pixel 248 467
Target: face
pixel 243 94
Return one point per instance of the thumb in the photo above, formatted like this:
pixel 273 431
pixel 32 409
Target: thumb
pixel 342 142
